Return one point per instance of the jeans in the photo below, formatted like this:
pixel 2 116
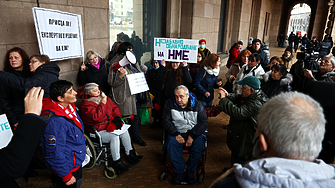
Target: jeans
pixel 175 152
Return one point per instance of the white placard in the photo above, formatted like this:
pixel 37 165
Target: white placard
pixel 123 129
pixel 6 133
pixel 177 50
pixel 137 83
pixel 59 33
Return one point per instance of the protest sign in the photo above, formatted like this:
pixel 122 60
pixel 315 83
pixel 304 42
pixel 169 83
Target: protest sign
pixel 6 133
pixel 137 83
pixel 59 33
pixel 177 50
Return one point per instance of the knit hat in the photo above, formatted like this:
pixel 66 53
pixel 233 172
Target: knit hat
pixel 256 40
pixel 202 40
pixel 89 87
pixel 250 81
pixel 250 40
pixel 288 49
pixel 240 42
pixel 144 68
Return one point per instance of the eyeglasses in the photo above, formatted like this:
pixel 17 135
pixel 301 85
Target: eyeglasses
pixel 199 56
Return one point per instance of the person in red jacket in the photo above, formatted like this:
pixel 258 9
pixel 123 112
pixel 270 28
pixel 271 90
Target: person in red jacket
pixel 234 51
pixel 100 111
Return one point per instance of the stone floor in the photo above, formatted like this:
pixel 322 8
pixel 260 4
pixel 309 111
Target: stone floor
pixel 147 172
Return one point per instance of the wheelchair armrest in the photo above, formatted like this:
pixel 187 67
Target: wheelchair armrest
pixel 90 128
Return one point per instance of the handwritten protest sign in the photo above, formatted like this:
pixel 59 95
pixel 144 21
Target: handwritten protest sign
pixel 6 133
pixel 137 83
pixel 59 33
pixel 177 50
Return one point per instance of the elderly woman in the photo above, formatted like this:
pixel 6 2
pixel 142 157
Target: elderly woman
pixel 207 79
pixel 276 81
pixel 16 61
pixel 100 111
pixel 253 68
pixel 43 74
pixel 120 91
pixel 94 69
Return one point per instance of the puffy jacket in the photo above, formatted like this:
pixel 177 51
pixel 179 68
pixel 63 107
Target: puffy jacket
pixel 261 56
pixel 63 142
pixel 98 76
pixel 243 113
pixel 205 84
pixel 274 87
pixel 192 119
pixel 43 77
pixel 245 71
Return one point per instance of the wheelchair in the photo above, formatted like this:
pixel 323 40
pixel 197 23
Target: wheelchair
pixel 200 172
pixel 94 145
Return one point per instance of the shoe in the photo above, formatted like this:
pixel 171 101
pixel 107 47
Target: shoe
pixel 139 141
pixel 120 167
pixel 190 178
pixel 179 178
pixel 133 158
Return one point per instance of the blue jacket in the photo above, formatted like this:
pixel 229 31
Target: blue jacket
pixel 207 84
pixel 63 144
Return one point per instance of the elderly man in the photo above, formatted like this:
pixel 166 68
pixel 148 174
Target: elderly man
pixel 185 122
pixel 325 72
pixel 288 140
pixel 243 110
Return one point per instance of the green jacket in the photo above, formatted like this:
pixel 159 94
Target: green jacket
pixel 243 120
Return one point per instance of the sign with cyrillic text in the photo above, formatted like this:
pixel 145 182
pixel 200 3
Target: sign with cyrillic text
pixel 176 50
pixel 59 33
pixel 137 83
pixel 6 133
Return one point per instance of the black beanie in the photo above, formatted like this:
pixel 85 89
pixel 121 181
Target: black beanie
pixel 288 49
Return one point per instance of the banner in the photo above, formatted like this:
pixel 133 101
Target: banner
pixel 137 83
pixel 177 50
pixel 59 33
pixel 6 133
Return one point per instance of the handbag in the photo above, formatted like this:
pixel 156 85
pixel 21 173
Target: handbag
pixel 143 97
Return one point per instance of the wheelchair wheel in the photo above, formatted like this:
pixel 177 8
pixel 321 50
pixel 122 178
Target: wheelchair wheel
pixel 201 178
pixel 163 177
pixel 110 173
pixel 90 151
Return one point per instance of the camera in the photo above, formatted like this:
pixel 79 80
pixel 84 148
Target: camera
pixel 307 54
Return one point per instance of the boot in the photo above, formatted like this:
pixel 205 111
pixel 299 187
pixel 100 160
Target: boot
pixel 133 158
pixel 120 167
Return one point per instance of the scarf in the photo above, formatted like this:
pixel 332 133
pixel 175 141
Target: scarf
pixel 98 65
pixel 211 71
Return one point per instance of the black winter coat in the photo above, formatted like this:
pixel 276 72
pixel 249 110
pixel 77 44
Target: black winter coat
pixel 16 157
pixel 12 101
pixel 98 76
pixel 42 77
pixel 155 79
pixel 262 57
pixel 274 87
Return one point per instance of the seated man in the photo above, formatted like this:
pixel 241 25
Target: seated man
pixel 185 121
pixel 63 141
pixel 287 141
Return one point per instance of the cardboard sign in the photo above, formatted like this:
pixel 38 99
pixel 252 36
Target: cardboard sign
pixel 6 133
pixel 59 33
pixel 177 50
pixel 137 83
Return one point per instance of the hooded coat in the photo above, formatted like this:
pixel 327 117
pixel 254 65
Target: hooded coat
pixel 245 71
pixel 242 126
pixel 274 87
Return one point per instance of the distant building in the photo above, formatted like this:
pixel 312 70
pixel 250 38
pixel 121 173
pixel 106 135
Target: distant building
pixel 299 20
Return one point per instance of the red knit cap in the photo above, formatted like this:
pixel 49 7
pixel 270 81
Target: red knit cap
pixel 202 40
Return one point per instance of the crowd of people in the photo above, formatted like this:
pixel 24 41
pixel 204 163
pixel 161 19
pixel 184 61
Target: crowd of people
pixel 181 92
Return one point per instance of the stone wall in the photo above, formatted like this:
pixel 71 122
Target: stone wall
pixel 18 29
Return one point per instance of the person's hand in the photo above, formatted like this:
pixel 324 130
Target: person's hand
pixel 180 139
pixel 207 94
pixel 163 63
pixel 33 101
pixel 104 99
pixel 71 181
pixel 219 83
pixel 15 125
pixel 184 63
pixel 308 73
pixel 222 93
pixel 189 141
pixel 123 72
pixel 83 66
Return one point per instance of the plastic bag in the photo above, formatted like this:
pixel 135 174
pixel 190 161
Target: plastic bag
pixel 144 116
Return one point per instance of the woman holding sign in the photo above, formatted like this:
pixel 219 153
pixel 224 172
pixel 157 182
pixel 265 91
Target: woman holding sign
pixel 120 92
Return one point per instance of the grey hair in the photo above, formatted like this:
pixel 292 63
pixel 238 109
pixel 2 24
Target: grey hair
pixel 88 55
pixel 332 58
pixel 89 86
pixel 182 87
pixel 295 124
pixel 256 90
